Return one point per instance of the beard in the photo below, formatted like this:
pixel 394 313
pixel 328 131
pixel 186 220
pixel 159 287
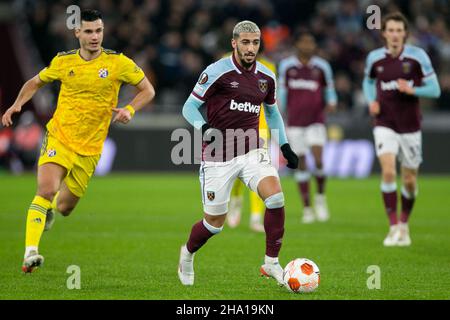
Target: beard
pixel 244 63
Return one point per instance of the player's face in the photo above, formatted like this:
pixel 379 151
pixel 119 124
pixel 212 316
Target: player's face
pixel 90 35
pixel 306 45
pixel 394 33
pixel 247 47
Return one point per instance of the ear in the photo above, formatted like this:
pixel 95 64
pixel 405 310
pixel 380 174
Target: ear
pixel 233 43
pixel 77 32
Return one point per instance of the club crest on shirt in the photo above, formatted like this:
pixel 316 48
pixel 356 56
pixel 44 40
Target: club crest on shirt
pixel 406 66
pixel 51 153
pixel 203 78
pixel 103 73
pixel 234 84
pixel 263 85
pixel 292 73
pixel 71 73
pixel 211 195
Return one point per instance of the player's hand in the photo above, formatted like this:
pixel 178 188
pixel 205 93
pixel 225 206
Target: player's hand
pixel 331 108
pixel 7 117
pixel 290 156
pixel 374 108
pixel 123 115
pixel 209 133
pixel 404 87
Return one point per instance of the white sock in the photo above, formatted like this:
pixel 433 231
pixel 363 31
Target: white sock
pixel 29 249
pixel 270 260
pixel 186 252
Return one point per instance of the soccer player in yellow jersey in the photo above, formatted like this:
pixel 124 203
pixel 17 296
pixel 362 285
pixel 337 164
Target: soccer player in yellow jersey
pixel 90 81
pixel 237 193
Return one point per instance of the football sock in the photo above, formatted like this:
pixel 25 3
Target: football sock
pixel 200 233
pixel 407 204
pixel 302 178
pixel 37 214
pixel 389 191
pixel 320 179
pixel 274 227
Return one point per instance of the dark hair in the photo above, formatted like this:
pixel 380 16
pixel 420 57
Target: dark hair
pixel 396 16
pixel 90 15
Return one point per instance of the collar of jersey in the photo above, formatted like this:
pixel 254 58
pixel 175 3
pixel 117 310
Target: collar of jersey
pixel 88 61
pixel 238 66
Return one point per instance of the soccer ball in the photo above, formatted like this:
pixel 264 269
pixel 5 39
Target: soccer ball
pixel 301 275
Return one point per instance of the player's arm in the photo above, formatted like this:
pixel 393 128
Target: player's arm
pixel 26 93
pixel 330 91
pixel 275 122
pixel 430 87
pixel 192 113
pixel 145 94
pixel 369 88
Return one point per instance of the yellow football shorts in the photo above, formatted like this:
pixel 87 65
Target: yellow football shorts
pixel 79 168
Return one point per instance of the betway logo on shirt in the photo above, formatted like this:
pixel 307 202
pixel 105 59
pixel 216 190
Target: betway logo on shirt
pixel 303 84
pixel 393 85
pixel 245 106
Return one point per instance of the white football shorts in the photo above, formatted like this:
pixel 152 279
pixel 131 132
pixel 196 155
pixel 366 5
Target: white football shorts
pixel 302 138
pixel 217 178
pixel 408 146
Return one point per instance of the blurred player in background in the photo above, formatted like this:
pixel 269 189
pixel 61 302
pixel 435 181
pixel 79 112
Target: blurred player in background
pixel 232 90
pixel 237 193
pixel 306 92
pixel 395 77
pixel 90 81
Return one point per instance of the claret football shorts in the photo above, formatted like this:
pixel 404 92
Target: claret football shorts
pixel 79 168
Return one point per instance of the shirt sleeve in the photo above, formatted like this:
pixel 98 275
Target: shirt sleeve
pixel 129 72
pixel 425 64
pixel 271 96
pixel 207 83
pixel 52 72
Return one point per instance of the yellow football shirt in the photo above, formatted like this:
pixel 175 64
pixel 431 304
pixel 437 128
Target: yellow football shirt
pixel 89 91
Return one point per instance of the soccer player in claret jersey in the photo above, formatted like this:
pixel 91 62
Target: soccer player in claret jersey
pixel 232 90
pixel 306 92
pixel 90 81
pixel 396 75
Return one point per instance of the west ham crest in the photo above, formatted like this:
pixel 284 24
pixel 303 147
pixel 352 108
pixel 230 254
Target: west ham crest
pixel 211 195
pixel 263 85
pixel 406 66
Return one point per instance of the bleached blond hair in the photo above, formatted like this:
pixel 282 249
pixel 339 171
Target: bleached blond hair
pixel 245 26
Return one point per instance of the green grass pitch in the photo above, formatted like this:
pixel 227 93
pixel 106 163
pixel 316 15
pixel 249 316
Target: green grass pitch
pixel 126 233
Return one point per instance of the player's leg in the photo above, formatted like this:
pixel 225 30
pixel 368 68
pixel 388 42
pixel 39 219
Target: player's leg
pixel 411 158
pixel 49 177
pixel 387 148
pixel 73 187
pixel 320 201
pixel 297 137
pixel 256 212
pixel 216 185
pixel 235 206
pixel 269 188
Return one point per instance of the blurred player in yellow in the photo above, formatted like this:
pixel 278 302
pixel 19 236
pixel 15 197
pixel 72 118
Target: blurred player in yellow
pixel 90 82
pixel 237 193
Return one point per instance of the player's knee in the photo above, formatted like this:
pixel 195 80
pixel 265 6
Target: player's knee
pixel 302 163
pixel 47 192
pixel 275 201
pixel 389 175
pixel 409 183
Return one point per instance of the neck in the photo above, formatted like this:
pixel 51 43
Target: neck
pixel 395 51
pixel 89 55
pixel 236 57
pixel 304 59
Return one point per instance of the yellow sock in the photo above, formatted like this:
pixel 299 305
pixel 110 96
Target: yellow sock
pixel 36 221
pixel 256 204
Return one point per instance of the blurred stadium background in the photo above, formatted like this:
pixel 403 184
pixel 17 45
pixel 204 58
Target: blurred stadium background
pixel 174 40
